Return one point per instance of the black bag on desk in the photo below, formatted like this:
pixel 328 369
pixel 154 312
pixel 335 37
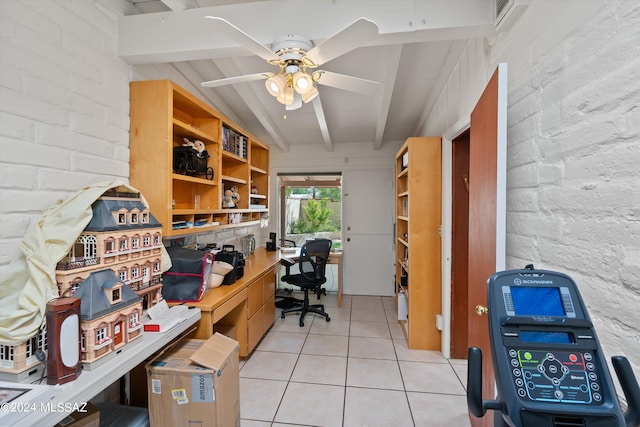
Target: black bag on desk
pixel 236 259
pixel 187 278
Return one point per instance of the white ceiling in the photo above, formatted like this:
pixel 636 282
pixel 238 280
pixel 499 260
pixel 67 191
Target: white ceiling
pixel 418 43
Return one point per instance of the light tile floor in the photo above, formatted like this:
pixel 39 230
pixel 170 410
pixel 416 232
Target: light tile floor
pixel 354 371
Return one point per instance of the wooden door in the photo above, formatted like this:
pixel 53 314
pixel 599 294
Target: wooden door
pixel 459 246
pixel 487 211
pixel 117 333
pixel 367 232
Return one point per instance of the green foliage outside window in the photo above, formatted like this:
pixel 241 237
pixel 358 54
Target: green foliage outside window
pixel 315 218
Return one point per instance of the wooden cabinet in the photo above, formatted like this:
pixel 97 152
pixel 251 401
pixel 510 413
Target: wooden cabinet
pixel 418 240
pixel 261 307
pixel 183 197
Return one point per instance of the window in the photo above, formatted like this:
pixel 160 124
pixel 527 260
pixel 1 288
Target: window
pixel 86 246
pixel 115 295
pixel 145 217
pixel 123 275
pixel 124 244
pixel 122 218
pixel 134 217
pixel 109 246
pixel 6 352
pixel 157 239
pixel 134 319
pixel 135 272
pixel 156 266
pixel 146 241
pixel 312 207
pixel 101 335
pixel 32 346
pixel 135 242
pixel 83 341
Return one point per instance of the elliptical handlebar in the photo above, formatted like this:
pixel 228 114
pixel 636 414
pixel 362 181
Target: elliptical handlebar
pixel 630 388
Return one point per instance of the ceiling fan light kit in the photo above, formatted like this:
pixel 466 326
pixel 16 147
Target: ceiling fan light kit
pixel 295 55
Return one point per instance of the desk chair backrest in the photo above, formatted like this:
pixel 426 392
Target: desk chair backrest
pixel 314 255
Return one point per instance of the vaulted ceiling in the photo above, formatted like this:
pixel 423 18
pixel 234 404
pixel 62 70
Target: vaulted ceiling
pixel 411 56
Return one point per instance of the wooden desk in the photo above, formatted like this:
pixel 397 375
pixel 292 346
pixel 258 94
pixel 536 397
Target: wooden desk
pixel 237 304
pixel 334 258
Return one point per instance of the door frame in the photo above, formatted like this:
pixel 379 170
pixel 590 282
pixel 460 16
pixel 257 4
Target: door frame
pixel 447 228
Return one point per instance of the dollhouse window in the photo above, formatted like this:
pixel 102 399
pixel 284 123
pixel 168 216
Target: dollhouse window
pixel 124 244
pixel 146 241
pixel 122 218
pixel 145 217
pixel 85 247
pixel 135 242
pixel 135 272
pixel 73 288
pixel 83 341
pixel 134 217
pixel 6 353
pixel 123 275
pixel 42 339
pixel 32 346
pixel 156 266
pixel 101 335
pixel 157 239
pixel 134 319
pixel 115 295
pixel 109 246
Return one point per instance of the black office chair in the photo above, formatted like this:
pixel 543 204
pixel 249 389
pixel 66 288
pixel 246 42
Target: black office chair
pixel 312 265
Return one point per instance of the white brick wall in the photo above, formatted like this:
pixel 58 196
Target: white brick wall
pixel 573 182
pixel 64 107
pixel 573 198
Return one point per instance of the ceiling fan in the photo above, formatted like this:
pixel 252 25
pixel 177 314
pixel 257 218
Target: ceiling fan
pixel 298 59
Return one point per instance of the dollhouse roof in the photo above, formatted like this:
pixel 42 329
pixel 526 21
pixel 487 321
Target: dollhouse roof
pixel 104 220
pixel 94 303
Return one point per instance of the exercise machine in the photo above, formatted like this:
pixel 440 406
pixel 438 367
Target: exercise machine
pixel 549 367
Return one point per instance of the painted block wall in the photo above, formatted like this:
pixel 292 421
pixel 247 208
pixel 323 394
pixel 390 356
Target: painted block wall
pixel 573 203
pixel 64 108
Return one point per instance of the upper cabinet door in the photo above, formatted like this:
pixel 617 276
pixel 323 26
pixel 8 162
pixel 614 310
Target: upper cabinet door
pixel 487 214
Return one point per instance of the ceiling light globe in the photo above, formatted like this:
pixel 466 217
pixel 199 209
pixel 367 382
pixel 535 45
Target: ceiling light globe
pixel 275 84
pixel 310 95
pixel 286 96
pixel 302 82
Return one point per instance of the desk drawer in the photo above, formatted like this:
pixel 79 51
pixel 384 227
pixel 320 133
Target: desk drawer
pixel 237 302
pixel 255 299
pixel 268 285
pixel 256 328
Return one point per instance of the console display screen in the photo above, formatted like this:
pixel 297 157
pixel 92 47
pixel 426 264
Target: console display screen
pixel 536 301
pixel 546 337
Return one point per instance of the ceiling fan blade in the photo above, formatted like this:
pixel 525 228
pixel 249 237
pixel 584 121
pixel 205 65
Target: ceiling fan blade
pixel 242 38
pixel 350 83
pixel 351 37
pixel 234 80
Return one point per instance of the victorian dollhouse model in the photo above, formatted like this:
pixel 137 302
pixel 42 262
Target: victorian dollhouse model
pixel 123 236
pixel 110 314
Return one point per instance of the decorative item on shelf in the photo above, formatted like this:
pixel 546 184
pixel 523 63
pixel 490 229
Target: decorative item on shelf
pixel 227 200
pixel 235 195
pixel 192 159
pixel 254 189
pixel 63 340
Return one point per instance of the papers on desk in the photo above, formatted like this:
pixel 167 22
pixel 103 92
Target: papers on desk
pixel 288 250
pixel 164 318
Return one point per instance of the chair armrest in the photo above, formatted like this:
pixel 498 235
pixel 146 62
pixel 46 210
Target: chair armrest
pixel 287 262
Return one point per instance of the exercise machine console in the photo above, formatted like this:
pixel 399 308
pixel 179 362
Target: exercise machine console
pixel 549 367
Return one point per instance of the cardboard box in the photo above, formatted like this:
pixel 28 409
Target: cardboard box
pixel 196 383
pixel 89 418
